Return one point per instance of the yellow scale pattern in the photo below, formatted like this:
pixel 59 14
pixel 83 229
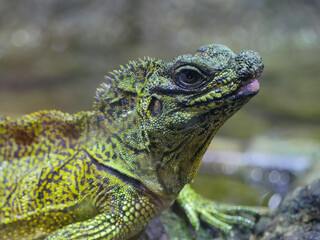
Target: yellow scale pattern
pixel 50 182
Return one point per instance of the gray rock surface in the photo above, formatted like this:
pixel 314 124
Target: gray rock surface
pixel 297 218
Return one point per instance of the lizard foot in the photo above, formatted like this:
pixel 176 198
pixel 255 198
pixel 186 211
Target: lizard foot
pixel 220 216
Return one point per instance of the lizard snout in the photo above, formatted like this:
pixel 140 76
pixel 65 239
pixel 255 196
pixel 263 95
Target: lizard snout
pixel 250 65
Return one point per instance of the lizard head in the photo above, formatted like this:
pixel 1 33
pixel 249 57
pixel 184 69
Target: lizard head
pixel 168 113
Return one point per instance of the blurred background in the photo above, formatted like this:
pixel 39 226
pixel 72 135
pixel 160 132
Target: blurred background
pixel 54 54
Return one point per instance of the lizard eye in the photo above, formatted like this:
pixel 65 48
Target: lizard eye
pixel 188 78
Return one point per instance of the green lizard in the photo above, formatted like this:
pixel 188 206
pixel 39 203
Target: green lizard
pixel 106 173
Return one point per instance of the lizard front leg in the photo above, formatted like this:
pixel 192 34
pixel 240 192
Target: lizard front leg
pixel 220 216
pixel 124 216
pixel 102 226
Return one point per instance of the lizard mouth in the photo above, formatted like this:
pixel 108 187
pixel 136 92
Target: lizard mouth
pixel 250 87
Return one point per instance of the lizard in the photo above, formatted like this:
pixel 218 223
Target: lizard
pixel 106 173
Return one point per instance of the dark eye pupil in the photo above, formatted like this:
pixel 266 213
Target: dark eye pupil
pixel 188 77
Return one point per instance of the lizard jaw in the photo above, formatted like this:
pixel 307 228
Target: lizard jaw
pixel 248 89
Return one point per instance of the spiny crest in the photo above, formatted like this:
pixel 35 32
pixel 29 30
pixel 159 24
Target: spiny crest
pixel 122 86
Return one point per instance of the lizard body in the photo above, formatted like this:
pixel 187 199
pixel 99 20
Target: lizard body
pixel 105 174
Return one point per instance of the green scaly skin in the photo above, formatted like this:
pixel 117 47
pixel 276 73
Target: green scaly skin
pixel 105 174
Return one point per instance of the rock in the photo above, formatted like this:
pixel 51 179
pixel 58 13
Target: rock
pixel 297 218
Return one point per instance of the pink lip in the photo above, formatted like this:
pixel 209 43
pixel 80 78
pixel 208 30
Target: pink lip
pixel 252 86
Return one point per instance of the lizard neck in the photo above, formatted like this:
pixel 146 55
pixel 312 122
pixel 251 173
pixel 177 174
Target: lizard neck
pixel 107 144
pixel 165 173
pixel 164 166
